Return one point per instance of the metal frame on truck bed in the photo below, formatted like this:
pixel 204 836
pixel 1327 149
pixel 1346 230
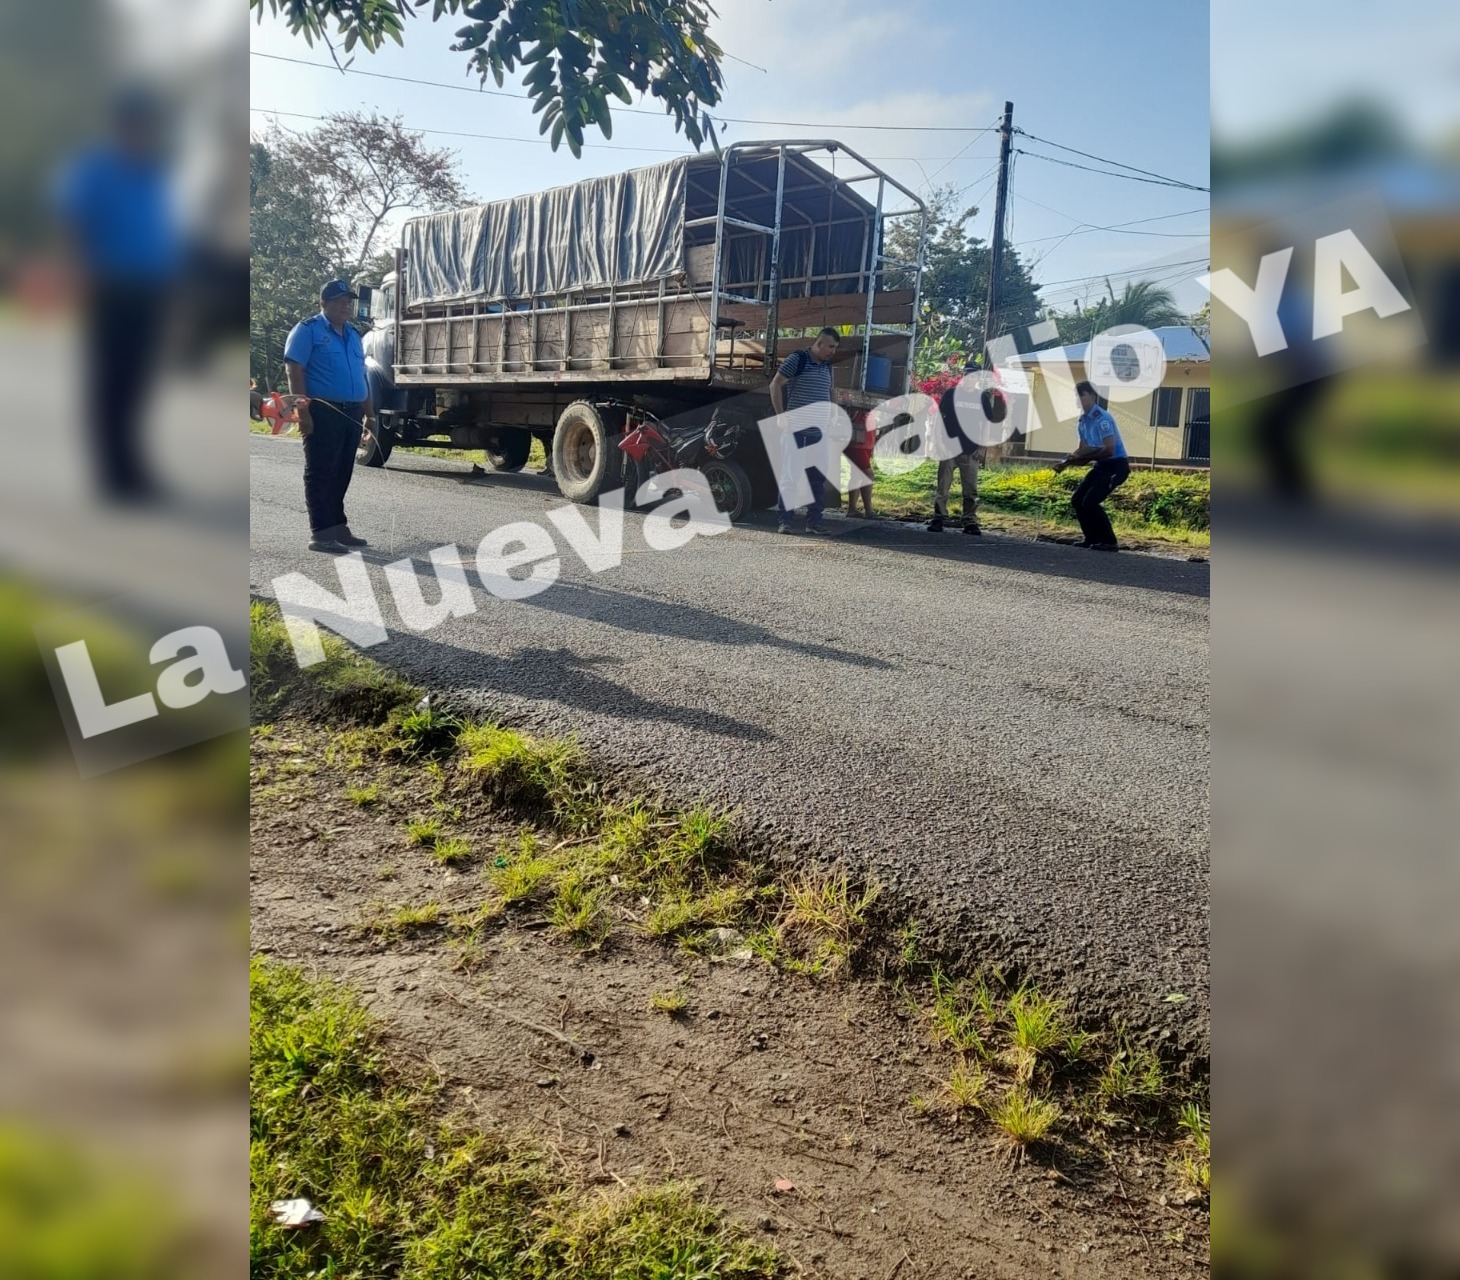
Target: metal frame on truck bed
pixel 672 287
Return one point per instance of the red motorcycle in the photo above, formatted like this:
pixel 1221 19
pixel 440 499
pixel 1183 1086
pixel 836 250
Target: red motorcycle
pixel 653 447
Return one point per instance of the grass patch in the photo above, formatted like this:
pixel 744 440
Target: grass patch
pixel 452 852
pixel 468 951
pixel 535 777
pixel 425 731
pixel 579 912
pixel 410 1191
pixel 364 797
pixel 1166 505
pixel 824 919
pixel 722 906
pixel 960 1019
pixel 674 1003
pixel 1098 1082
pixel 965 1088
pixel 1037 1031
pixel 1194 1152
pixel 1023 1118
pixel 344 687
pixel 404 921
pixel 423 832
pixel 518 874
pixel 1131 1078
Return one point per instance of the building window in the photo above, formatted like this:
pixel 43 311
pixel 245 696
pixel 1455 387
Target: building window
pixel 1199 425
pixel 1166 407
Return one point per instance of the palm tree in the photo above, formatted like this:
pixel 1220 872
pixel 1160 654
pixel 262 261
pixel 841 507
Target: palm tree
pixel 1144 303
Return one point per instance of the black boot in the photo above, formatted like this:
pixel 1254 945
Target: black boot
pixel 935 525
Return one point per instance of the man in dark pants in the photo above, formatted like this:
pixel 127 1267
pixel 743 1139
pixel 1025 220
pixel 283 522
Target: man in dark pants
pixel 115 201
pixel 1102 447
pixel 325 361
pixel 965 463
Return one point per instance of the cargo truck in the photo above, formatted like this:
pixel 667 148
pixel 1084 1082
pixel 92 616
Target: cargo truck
pixel 671 293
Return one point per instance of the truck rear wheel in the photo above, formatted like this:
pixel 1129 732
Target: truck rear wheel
pixel 511 451
pixel 582 453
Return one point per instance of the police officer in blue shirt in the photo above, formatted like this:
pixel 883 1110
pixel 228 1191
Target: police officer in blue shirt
pixel 115 199
pixel 325 361
pixel 1102 447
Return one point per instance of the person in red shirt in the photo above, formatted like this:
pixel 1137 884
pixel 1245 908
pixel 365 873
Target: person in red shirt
pixel 859 453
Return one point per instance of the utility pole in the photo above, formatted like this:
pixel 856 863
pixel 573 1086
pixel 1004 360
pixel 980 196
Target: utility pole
pixel 996 247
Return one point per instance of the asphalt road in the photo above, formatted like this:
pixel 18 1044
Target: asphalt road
pixel 1012 735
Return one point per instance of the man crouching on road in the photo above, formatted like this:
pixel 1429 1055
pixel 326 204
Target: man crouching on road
pixel 325 361
pixel 1102 447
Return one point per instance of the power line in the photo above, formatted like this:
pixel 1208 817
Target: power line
pixel 638 111
pixel 490 137
pixel 1085 228
pixel 1075 291
pixel 1158 267
pixel 485 137
pixel 952 158
pixel 1154 182
pixel 1061 147
pixel 987 173
pixel 752 65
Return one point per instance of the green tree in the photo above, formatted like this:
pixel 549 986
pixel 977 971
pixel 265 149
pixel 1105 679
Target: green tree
pixel 575 54
pixel 366 168
pixel 293 246
pixel 1141 302
pixel 955 282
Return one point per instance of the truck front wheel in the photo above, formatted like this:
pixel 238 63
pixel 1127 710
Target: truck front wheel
pixel 582 453
pixel 376 443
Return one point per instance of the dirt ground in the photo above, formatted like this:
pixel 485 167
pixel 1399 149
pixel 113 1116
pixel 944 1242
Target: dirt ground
pixel 790 1102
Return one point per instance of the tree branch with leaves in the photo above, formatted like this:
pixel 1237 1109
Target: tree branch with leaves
pixel 574 54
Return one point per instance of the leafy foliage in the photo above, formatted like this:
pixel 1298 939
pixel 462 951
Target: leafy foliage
pixel 574 55
pixel 955 282
pixel 293 247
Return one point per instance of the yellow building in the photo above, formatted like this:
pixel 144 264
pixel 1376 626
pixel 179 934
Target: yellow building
pixel 1170 423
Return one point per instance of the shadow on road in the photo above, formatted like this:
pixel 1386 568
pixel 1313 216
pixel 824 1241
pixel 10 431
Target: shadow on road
pixel 678 621
pixel 460 471
pixel 1125 569
pixel 1022 555
pixel 549 675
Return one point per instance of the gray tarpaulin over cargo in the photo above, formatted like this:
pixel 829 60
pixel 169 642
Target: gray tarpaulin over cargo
pixel 620 229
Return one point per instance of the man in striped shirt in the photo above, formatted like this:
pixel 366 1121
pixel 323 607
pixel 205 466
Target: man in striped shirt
pixel 808 374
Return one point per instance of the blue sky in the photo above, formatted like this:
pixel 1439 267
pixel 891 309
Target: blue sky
pixel 1127 82
pixel 1279 65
